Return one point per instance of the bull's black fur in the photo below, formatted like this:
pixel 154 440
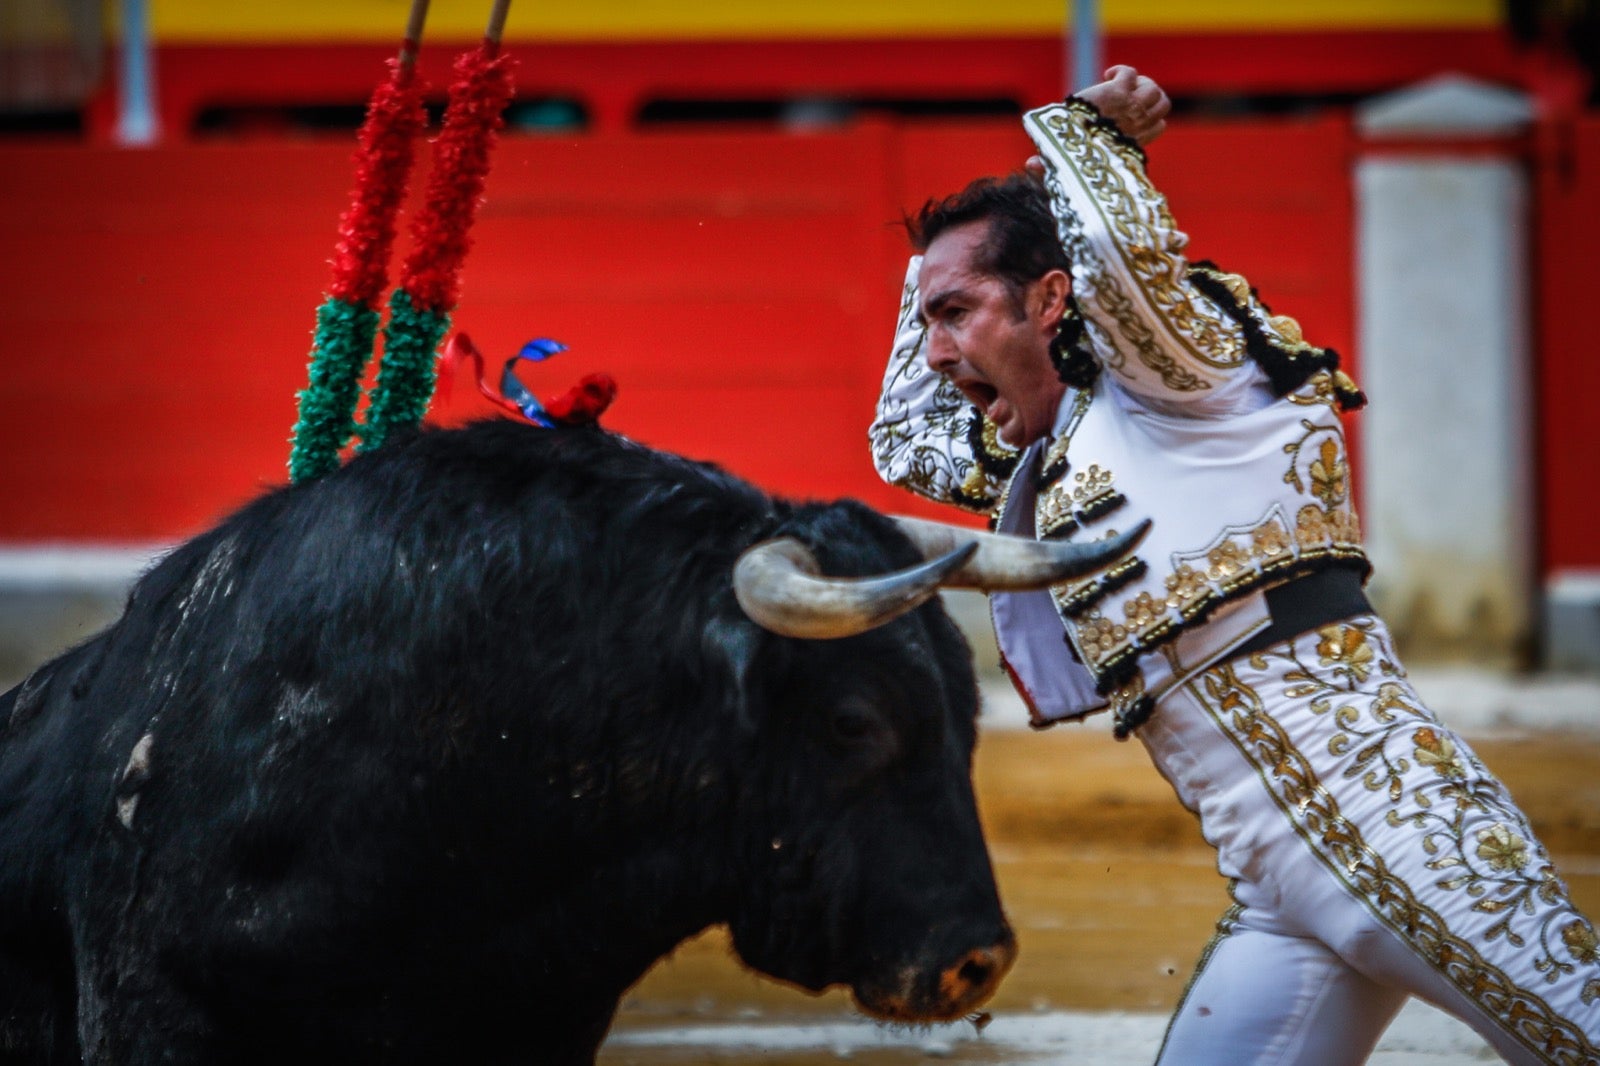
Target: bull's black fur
pixel 446 748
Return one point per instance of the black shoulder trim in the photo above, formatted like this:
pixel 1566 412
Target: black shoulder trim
pixel 1070 352
pixel 1093 509
pixel 1051 473
pixel 1286 369
pixel 1062 532
pixel 1129 718
pixel 1094 590
pixel 969 502
pixel 992 457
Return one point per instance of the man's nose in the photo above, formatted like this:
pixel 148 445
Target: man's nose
pixel 940 353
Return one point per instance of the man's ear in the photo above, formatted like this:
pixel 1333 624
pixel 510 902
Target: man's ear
pixel 1050 293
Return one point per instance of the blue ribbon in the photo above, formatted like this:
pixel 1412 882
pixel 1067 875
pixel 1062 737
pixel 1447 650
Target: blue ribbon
pixel 511 387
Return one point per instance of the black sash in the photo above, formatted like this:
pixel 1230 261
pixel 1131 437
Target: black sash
pixel 1306 603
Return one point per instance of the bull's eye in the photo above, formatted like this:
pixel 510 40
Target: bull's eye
pixel 853 723
pixel 860 737
pixel 856 726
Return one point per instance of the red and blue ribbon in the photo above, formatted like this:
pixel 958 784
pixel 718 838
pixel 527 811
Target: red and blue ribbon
pixel 582 404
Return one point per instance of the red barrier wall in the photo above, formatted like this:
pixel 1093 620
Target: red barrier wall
pixel 1567 432
pixel 741 287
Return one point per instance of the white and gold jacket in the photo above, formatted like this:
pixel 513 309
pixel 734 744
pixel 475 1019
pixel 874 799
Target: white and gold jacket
pixel 1189 403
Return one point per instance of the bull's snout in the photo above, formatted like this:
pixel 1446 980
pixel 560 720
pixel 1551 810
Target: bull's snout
pixel 969 983
pixel 945 994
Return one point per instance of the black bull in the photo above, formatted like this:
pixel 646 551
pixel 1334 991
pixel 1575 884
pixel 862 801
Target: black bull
pixel 429 760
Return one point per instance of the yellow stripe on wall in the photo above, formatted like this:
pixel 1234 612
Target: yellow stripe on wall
pixel 587 20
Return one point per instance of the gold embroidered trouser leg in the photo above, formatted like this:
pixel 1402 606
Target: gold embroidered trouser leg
pixel 1373 851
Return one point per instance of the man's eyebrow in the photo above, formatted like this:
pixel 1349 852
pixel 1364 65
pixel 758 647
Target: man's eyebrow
pixel 932 304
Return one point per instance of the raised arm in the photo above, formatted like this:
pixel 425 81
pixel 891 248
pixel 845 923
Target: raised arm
pixel 1147 320
pixel 926 437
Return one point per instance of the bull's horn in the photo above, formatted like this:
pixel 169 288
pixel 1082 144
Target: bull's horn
pixel 777 584
pixel 1004 562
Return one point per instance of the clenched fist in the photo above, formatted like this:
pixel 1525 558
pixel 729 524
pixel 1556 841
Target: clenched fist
pixel 1134 102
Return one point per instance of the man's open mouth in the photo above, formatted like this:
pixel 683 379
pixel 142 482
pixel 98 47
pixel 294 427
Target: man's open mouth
pixel 980 394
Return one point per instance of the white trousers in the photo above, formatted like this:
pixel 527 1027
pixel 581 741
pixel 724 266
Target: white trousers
pixel 1373 857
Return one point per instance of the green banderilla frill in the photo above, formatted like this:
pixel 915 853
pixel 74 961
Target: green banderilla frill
pixel 339 354
pixel 406 375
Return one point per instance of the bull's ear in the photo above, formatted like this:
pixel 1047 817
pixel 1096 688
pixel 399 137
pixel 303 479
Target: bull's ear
pixel 731 645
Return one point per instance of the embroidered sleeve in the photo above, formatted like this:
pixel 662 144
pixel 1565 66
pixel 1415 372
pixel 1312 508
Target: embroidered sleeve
pixel 1163 336
pixel 926 437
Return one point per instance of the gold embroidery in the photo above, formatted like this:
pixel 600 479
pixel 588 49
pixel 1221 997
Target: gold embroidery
pixel 1502 849
pixel 1053 514
pixel 1579 936
pixel 1005 495
pixel 1055 463
pixel 1122 698
pixel 1314 528
pixel 1099 635
pixel 1269 540
pixel 1498 867
pixel 1438 753
pixel 1227 559
pixel 1328 471
pixel 1090 496
pixel 1244 560
pixel 1062 507
pixel 1328 475
pixel 1319 388
pixel 1237 287
pixel 1090 483
pixel 1283 336
pixel 1207 336
pixel 1143 610
pixel 992 444
pixel 1185 586
pixel 1345 648
pixel 1075 599
pixel 1081 399
pixel 1289 336
pixel 976 485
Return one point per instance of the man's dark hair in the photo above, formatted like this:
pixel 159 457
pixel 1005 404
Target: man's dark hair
pixel 1022 245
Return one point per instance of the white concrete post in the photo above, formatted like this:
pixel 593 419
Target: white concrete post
pixel 1442 251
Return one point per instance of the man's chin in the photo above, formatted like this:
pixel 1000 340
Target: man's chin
pixel 1010 432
